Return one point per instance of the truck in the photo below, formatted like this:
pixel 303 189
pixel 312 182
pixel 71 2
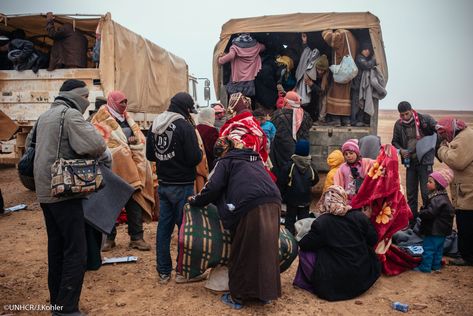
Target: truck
pixel 287 28
pixel 148 74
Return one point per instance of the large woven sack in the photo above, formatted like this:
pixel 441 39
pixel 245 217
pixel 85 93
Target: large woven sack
pixel 204 243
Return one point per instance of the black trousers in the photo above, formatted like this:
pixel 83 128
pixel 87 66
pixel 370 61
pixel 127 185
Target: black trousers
pixel 417 175
pixel 464 219
pixel 67 252
pixel 134 214
pixel 293 214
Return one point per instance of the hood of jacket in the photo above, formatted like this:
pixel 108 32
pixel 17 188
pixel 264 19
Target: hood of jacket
pixel 335 159
pixel 163 120
pixel 73 100
pixel 302 162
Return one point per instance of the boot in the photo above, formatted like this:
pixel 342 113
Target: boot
pixel 108 245
pixel 139 244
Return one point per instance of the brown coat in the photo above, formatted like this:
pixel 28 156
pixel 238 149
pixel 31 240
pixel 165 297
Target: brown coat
pixel 338 98
pixel 458 155
pixel 69 49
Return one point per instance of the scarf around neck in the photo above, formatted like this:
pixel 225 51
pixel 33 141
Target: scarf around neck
pixel 414 117
pixel 114 105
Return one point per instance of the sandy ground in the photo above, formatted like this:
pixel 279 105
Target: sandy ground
pixel 132 289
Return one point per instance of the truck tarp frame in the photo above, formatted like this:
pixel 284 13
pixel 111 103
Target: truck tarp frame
pixel 148 74
pixel 302 22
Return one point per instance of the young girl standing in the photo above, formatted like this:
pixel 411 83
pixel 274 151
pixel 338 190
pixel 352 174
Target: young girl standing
pixel 437 220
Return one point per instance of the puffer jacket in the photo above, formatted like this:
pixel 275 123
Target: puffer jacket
pixel 238 183
pixel 437 217
pixel 458 155
pixel 334 161
pixel 80 139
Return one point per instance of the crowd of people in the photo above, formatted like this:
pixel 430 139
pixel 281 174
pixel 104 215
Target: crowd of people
pixel 70 49
pixel 249 163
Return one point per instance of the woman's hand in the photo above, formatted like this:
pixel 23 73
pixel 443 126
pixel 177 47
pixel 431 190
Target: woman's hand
pixel 133 140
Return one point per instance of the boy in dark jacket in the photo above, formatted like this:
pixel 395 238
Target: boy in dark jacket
pixel 437 220
pixel 295 181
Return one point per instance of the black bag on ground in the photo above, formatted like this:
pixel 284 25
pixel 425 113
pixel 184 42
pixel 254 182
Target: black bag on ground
pixel 26 164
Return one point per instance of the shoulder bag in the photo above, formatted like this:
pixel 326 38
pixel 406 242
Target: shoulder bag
pixel 74 176
pixel 346 70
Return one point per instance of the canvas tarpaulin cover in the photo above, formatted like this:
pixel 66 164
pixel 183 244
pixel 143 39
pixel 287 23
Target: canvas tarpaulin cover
pixel 302 22
pixel 148 74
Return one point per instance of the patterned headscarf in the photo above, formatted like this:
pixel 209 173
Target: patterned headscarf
pixel 114 105
pixel 293 101
pixel 238 103
pixel 448 127
pixel 333 201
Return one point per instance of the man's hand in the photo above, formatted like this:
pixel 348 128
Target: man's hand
pixel 405 153
pixel 133 140
pixel 308 81
pixel 49 16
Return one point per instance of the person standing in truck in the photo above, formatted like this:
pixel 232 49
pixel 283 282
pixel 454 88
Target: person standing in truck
pixel 70 45
pixel 408 130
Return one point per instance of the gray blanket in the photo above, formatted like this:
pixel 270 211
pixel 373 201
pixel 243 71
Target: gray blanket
pixel 371 86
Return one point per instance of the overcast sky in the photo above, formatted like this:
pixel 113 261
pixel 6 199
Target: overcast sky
pixel 429 43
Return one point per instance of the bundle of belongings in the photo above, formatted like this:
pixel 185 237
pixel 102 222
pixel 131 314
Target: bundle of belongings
pixel 204 243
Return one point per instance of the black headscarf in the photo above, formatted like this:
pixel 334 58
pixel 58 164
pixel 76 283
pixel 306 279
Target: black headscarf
pixel 183 104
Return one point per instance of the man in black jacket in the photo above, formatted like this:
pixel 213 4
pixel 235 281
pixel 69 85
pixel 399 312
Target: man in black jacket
pixel 408 130
pixel 172 144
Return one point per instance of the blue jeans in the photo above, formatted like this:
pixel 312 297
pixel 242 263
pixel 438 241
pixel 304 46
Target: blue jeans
pixel 171 202
pixel 433 252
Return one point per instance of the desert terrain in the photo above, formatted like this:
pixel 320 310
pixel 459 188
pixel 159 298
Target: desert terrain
pixel 132 289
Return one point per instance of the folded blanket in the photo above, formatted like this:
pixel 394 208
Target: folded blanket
pixel 204 244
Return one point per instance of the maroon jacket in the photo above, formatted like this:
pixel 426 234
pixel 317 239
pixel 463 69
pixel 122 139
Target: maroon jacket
pixel 209 137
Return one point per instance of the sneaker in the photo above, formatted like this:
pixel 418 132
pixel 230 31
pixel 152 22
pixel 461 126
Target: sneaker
pixel 460 262
pixel 108 245
pixel 181 279
pixel 419 270
pixel 228 300
pixel 164 278
pixel 139 244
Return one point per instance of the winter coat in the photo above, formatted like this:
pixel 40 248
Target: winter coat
pixel 458 155
pixel 79 139
pixel 237 184
pixel 296 180
pixel 175 151
pixel 427 127
pixel 344 176
pixel 245 61
pixel 266 81
pixel 209 136
pixel 437 217
pixel 334 160
pixel 69 48
pixel 283 145
pixel 346 264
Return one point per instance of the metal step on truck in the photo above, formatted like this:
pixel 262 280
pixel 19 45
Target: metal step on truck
pixel 286 29
pixel 148 74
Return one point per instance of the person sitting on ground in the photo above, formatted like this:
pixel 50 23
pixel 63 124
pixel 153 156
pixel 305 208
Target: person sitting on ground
pixel 334 161
pixel 296 181
pixel 70 46
pixel 127 144
pixel 249 205
pixel 208 133
pixel 336 258
pixel 355 168
pixel 437 220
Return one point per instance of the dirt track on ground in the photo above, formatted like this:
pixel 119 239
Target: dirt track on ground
pixel 132 289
